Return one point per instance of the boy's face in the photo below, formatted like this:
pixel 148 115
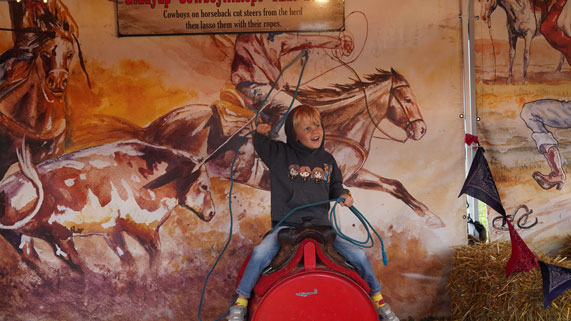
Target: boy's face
pixel 309 134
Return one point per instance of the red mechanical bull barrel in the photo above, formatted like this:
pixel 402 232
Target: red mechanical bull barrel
pixel 312 292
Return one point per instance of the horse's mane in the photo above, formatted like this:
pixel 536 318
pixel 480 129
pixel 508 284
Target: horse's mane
pixel 337 90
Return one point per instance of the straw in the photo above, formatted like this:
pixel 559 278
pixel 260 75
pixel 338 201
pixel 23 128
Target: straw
pixel 479 289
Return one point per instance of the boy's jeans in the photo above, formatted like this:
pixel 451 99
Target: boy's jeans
pixel 265 252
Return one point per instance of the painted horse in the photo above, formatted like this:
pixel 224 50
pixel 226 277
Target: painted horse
pixel 32 88
pixel 523 21
pixel 33 81
pixel 351 114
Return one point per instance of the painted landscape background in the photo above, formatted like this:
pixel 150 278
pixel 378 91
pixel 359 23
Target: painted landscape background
pixel 510 150
pixel 139 79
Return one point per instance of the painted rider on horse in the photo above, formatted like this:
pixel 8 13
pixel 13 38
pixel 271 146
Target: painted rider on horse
pixel 257 65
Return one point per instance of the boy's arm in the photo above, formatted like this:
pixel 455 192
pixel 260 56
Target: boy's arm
pixel 336 188
pixel 263 145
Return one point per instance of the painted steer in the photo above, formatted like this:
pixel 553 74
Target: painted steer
pixel 104 190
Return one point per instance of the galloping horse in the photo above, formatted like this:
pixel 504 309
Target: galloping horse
pixel 523 21
pixel 32 95
pixel 350 113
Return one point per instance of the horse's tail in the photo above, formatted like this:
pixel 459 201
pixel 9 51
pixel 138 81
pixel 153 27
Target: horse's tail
pixel 104 129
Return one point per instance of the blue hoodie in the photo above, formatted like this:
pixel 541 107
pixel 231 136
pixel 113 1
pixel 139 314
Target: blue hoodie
pixel 299 176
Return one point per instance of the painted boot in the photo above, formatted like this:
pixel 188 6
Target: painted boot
pixel 557 176
pixel 237 313
pixel 386 314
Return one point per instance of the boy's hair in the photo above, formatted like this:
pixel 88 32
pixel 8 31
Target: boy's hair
pixel 306 111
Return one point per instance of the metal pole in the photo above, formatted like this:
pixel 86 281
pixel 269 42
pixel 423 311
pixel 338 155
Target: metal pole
pixel 470 115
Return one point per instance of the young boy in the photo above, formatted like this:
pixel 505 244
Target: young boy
pixel 290 189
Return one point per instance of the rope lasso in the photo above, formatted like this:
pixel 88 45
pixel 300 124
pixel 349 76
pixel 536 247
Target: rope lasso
pixel 282 122
pixel 335 55
pixel 240 143
pixel 332 214
pixel 262 107
pixel 368 243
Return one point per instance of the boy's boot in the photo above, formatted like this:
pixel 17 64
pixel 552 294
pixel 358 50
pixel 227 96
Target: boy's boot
pixel 386 314
pixel 237 313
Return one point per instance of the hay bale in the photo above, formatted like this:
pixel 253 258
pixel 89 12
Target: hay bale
pixel 479 289
pixel 566 251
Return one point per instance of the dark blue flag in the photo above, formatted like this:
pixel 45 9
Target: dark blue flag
pixel 556 280
pixel 480 184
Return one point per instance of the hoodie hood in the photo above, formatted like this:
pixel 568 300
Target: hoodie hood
pixel 292 139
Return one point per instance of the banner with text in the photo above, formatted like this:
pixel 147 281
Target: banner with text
pixel 163 17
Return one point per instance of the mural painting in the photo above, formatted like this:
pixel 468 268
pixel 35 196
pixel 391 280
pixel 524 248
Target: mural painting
pixel 528 155
pixel 114 190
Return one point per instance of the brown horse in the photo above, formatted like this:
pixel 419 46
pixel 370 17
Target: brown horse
pixel 32 105
pixel 32 91
pixel 351 114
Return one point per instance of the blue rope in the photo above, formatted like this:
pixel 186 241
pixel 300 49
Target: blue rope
pixel 366 224
pixel 302 53
pixel 282 122
pixel 332 214
pixel 368 243
pixel 242 140
pixel 332 219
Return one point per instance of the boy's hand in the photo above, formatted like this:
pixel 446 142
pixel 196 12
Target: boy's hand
pixel 348 200
pixel 263 128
